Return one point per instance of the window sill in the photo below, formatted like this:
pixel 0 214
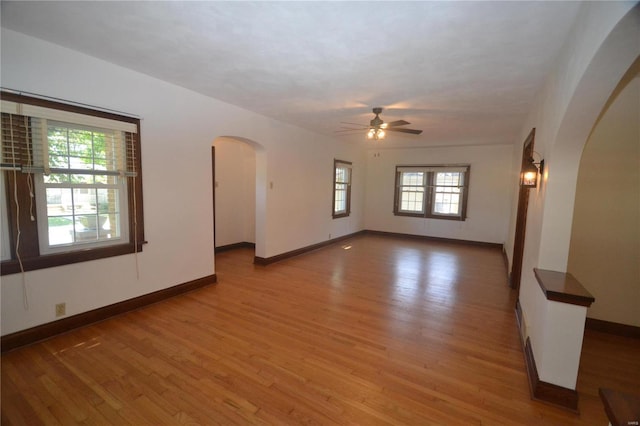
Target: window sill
pixel 424 216
pixel 337 216
pixel 12 266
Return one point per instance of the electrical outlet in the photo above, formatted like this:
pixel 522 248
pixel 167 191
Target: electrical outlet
pixel 61 309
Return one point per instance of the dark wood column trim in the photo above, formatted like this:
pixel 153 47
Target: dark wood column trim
pixel 547 392
pixel 539 390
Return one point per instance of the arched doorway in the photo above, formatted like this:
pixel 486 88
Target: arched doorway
pixel 239 193
pixel 600 78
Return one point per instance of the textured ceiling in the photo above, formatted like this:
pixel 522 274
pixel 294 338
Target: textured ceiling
pixel 464 72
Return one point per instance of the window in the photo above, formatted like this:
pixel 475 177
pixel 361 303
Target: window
pixel 83 168
pixel 438 192
pixel 341 188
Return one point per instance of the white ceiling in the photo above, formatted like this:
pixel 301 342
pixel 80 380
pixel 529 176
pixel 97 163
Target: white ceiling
pixel 464 72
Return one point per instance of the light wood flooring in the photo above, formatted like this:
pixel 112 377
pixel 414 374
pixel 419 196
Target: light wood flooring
pixel 373 330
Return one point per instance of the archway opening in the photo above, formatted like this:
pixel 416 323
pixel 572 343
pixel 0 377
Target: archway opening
pixel 239 191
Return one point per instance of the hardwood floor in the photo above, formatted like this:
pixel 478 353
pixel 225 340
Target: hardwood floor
pixel 373 330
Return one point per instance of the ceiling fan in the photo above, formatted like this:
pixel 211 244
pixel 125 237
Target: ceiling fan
pixel 377 128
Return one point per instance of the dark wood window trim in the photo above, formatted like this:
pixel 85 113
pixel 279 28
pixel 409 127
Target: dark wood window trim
pixel 429 194
pixel 336 163
pixel 29 245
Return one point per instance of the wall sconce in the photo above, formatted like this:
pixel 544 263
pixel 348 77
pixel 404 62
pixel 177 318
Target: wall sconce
pixel 529 173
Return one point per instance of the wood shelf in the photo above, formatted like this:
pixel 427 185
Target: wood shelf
pixel 563 287
pixel 621 408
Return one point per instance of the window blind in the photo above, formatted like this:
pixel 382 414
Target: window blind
pixel 441 169
pixel 25 145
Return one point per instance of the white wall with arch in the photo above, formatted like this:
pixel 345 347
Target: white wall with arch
pixel 177 131
pixel 605 237
pixel 603 43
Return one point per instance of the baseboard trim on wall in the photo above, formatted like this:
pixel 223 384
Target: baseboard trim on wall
pixel 547 392
pixel 618 329
pixel 277 258
pixel 435 239
pixel 45 331
pixel 233 246
pixel 542 391
pixel 505 258
pixel 282 256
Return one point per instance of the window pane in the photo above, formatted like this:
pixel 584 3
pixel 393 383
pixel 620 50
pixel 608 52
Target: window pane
pixel 83 149
pixel 340 198
pixel 60 230
pixel 86 228
pixel 57 141
pixel 60 215
pixel 412 191
pixel 446 199
pixel 108 200
pixel 84 200
pixel 449 178
pixel 108 227
pixel 80 143
pixel 412 178
pixel 412 200
pixel 447 203
pixel 59 201
pixel 59 161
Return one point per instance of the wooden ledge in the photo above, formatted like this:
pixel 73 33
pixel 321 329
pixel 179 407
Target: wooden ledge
pixel 563 287
pixel 621 408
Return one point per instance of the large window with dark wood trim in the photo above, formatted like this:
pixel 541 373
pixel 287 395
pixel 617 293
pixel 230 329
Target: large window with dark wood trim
pixel 438 192
pixel 341 188
pixel 72 184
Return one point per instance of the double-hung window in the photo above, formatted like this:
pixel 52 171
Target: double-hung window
pixel 341 188
pixel 438 192
pixel 74 189
pixel 84 185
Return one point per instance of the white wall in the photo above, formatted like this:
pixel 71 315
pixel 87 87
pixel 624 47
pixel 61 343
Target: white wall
pixel 489 192
pixel 605 238
pixel 178 128
pixel 602 44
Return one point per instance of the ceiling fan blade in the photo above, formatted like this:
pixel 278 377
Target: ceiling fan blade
pixel 397 123
pixel 348 134
pixel 364 126
pixel 347 130
pixel 412 131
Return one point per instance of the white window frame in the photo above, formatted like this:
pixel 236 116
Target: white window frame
pixel 43 218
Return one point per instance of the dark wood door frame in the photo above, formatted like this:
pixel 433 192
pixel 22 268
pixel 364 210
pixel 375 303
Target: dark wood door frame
pixel 521 217
pixel 213 186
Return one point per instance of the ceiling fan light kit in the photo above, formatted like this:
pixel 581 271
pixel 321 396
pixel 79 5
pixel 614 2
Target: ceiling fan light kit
pixel 377 128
